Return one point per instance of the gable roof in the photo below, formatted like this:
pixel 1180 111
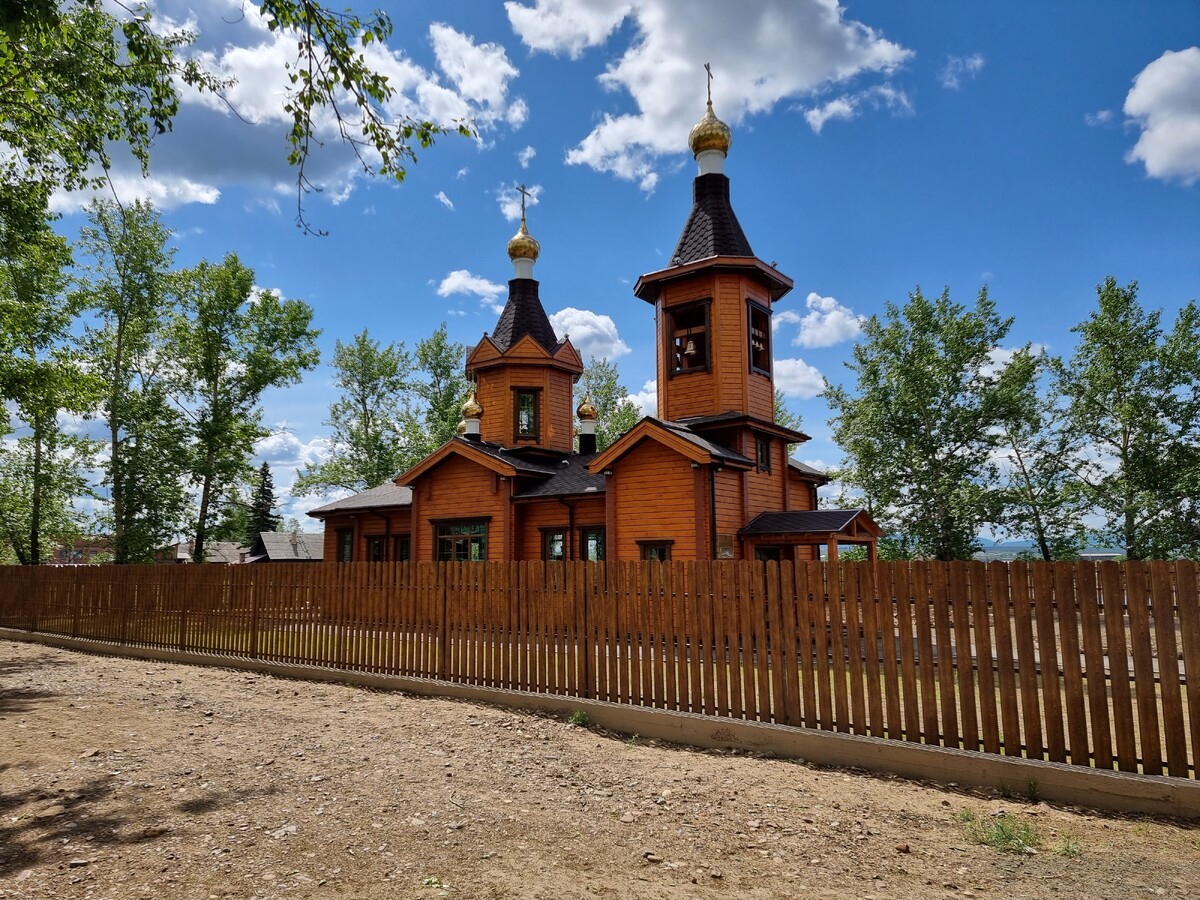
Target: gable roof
pixel 491 456
pixel 808 472
pixel 279 546
pixel 523 315
pixel 383 495
pixel 676 435
pixel 221 552
pixel 712 228
pixel 812 521
pixel 570 477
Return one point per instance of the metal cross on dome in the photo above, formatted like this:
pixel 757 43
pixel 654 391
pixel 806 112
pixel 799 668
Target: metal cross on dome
pixel 525 192
pixel 708 69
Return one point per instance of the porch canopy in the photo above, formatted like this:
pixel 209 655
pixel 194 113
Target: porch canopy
pixel 814 528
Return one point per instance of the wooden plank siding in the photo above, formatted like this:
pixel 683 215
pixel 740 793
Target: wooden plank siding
pixel 440 494
pixel 648 472
pixel 961 655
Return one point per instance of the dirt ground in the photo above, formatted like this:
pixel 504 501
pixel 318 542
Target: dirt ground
pixel 130 779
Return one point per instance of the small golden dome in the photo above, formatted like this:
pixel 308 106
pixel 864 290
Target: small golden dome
pixel 522 244
pixel 710 133
pixel 471 408
pixel 587 410
pixel 462 426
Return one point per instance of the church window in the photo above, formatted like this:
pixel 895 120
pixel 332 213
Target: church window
pixel 657 550
pixel 760 339
pixel 763 446
pixel 525 414
pixel 688 337
pixel 345 544
pixel 592 544
pixel 554 544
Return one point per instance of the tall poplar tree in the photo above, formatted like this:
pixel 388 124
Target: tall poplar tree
pixel 921 426
pixel 129 289
pixel 230 344
pixel 1133 393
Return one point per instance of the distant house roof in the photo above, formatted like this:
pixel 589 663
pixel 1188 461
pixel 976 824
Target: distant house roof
pixel 386 494
pixel 813 521
pixel 220 552
pixel 282 546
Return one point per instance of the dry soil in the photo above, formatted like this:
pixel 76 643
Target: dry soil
pixel 130 779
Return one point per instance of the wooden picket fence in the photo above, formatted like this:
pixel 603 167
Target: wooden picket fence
pixel 1092 664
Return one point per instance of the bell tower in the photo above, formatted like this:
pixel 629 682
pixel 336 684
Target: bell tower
pixel 524 375
pixel 712 305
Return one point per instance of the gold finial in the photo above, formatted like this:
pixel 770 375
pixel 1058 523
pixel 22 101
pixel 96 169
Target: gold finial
pixel 462 426
pixel 710 133
pixel 587 410
pixel 523 245
pixel 471 408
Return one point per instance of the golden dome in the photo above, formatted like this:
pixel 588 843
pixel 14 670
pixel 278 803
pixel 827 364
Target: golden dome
pixel 710 133
pixel 462 426
pixel 522 244
pixel 471 409
pixel 587 410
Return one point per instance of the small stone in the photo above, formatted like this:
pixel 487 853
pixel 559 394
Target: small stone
pixel 903 848
pixel 77 863
pixel 715 874
pixel 50 812
pixel 627 818
pixel 89 753
pixel 653 858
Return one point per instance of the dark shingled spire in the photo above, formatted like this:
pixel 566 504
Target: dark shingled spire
pixel 712 229
pixel 523 315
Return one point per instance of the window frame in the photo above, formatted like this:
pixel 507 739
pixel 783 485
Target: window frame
pixel 755 308
pixel 549 533
pixel 646 549
pixel 470 538
pixel 402 547
pixel 535 393
pixel 673 354
pixel 584 533
pixel 761 443
pixel 376 543
pixel 344 545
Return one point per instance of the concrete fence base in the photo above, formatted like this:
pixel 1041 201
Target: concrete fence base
pixel 1075 785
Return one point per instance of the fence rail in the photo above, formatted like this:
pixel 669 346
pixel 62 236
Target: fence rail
pixel 1086 663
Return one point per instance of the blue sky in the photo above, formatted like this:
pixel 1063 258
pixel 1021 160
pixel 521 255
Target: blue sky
pixel 1031 147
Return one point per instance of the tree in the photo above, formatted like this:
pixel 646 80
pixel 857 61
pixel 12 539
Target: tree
pixel 129 290
pixel 1133 397
pixel 41 376
pixel 79 78
pixel 1042 497
pixel 230 345
pixel 262 508
pixel 616 412
pixel 920 431
pixel 440 392
pixel 371 419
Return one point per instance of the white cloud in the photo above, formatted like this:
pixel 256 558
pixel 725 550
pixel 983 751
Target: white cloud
pixel 463 172
pixel 826 323
pixel 165 193
pixel 1000 357
pixel 593 334
pixel 461 281
pixel 219 142
pixel 1164 102
pixel 524 156
pixel 796 378
pixel 1099 119
pixel 647 398
pixel 444 200
pixel 761 54
pixel 848 106
pixel 509 198
pixel 958 68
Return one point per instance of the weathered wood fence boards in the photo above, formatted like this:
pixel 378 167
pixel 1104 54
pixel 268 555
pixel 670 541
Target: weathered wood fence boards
pixel 1093 664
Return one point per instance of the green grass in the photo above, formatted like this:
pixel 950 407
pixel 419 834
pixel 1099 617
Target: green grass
pixel 1002 832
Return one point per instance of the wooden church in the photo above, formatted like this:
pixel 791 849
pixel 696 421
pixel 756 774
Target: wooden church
pixel 708 477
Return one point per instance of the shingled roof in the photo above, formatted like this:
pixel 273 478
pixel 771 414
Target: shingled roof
pixel 523 315
pixel 812 521
pixel 712 229
pixel 570 478
pixel 383 495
